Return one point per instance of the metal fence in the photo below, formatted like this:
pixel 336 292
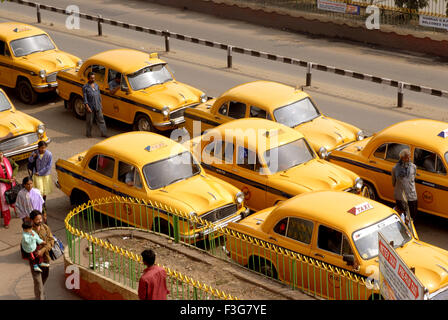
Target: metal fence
pixel 297 271
pixel 119 264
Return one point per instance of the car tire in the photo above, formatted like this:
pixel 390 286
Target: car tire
pixel 26 92
pixel 162 226
pixel 143 123
pixel 264 267
pixel 369 191
pixel 78 197
pixel 77 105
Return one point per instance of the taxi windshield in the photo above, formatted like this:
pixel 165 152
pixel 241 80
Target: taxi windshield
pixel 4 103
pixel 296 113
pixel 26 46
pixel 392 228
pixel 149 76
pixel 288 155
pixel 170 170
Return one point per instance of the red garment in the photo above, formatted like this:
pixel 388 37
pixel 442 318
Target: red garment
pixel 152 284
pixel 6 214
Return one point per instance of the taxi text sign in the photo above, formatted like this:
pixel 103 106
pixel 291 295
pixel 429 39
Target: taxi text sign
pixel 397 282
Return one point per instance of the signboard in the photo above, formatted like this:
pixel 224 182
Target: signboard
pixel 335 6
pixel 433 22
pixel 360 208
pixel 397 281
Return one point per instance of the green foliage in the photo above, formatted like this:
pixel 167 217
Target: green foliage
pixel 411 4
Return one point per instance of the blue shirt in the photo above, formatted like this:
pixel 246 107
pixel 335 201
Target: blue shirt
pixel 92 96
pixel 30 241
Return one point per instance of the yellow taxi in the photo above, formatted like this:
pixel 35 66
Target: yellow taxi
pixel 268 161
pixel 278 102
pixel 374 157
pixel 19 132
pixel 148 166
pixel 30 60
pixel 136 88
pixel 340 230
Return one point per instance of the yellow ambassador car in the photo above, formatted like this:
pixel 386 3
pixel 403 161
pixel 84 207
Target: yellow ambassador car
pixel 374 158
pixel 148 96
pixel 268 161
pixel 151 167
pixel 30 60
pixel 341 230
pixel 278 102
pixel 19 132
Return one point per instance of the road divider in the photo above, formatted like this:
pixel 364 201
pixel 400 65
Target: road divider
pixel 400 85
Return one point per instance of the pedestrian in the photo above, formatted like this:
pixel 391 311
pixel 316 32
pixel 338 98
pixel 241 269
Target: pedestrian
pixel 152 284
pixel 403 180
pixel 28 199
pixel 8 171
pixel 43 160
pixel 31 244
pixel 92 103
pixel 44 232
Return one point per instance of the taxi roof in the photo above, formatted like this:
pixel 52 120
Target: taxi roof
pixel 419 132
pixel 331 208
pixel 248 128
pixel 23 30
pixel 267 94
pixel 130 147
pixel 124 60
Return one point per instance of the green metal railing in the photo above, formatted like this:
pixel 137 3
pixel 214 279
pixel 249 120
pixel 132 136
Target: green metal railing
pixel 296 270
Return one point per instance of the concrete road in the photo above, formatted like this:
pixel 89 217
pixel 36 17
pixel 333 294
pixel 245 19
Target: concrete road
pixel 370 110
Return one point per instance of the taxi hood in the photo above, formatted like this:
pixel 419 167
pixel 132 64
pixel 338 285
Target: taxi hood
pixel 315 175
pixel 172 94
pixel 51 61
pixel 430 263
pixel 325 132
pixel 202 194
pixel 13 123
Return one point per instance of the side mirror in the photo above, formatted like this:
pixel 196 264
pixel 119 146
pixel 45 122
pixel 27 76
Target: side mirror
pixel 349 258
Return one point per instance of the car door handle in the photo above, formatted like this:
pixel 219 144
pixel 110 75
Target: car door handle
pixel 372 161
pixel 235 170
pixel 216 117
pixel 319 255
pixel 115 186
pixel 417 174
pixel 272 238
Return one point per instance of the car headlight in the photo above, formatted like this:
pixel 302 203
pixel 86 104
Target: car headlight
pixel 323 152
pixel 203 98
pixel 360 135
pixel 166 112
pixel 41 129
pixel 42 74
pixel 79 63
pixel 358 184
pixel 239 198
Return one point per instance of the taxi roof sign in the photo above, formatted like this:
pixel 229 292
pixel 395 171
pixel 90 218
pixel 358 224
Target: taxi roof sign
pixel 443 133
pixel 21 29
pixel 360 208
pixel 155 146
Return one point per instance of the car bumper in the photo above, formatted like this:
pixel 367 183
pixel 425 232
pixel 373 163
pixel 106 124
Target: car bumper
pixel 45 87
pixel 23 152
pixel 202 234
pixel 170 123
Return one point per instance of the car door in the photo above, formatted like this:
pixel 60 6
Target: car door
pixel 6 73
pixel 383 159
pixel 329 246
pixel 217 159
pixel 431 181
pixel 117 102
pixel 231 110
pixel 100 79
pixel 294 234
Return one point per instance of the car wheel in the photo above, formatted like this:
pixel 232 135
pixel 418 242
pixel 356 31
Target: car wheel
pixel 26 92
pixel 78 197
pixel 77 106
pixel 162 226
pixel 369 191
pixel 143 123
pixel 263 267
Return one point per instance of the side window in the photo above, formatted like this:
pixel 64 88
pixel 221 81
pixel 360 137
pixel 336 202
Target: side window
pixel 102 164
pixel 329 239
pixel 300 230
pixel 2 48
pixel 346 249
pixel 229 149
pixel 100 72
pixel 237 110
pixel 381 151
pixel 393 151
pixel 256 112
pixel 223 109
pixel 248 159
pixel 280 227
pixel 128 174
pixel 111 76
pixel 428 161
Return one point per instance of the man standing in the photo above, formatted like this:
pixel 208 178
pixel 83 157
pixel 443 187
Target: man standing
pixel 152 284
pixel 44 232
pixel 92 103
pixel 403 180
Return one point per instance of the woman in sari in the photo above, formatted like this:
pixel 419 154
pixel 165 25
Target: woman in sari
pixel 41 173
pixel 8 171
pixel 28 199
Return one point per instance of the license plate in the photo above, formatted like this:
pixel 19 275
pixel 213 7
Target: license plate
pixel 21 156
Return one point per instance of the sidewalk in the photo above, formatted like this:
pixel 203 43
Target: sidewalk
pixel 16 282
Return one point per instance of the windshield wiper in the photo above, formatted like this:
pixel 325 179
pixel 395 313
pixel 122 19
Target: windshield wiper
pixel 39 50
pixel 176 180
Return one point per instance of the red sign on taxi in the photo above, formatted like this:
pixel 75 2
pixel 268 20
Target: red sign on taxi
pixel 360 208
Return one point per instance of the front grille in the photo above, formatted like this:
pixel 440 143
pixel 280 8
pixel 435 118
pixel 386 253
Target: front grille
pixel 351 190
pixel 52 77
pixel 18 142
pixel 220 213
pixel 180 112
